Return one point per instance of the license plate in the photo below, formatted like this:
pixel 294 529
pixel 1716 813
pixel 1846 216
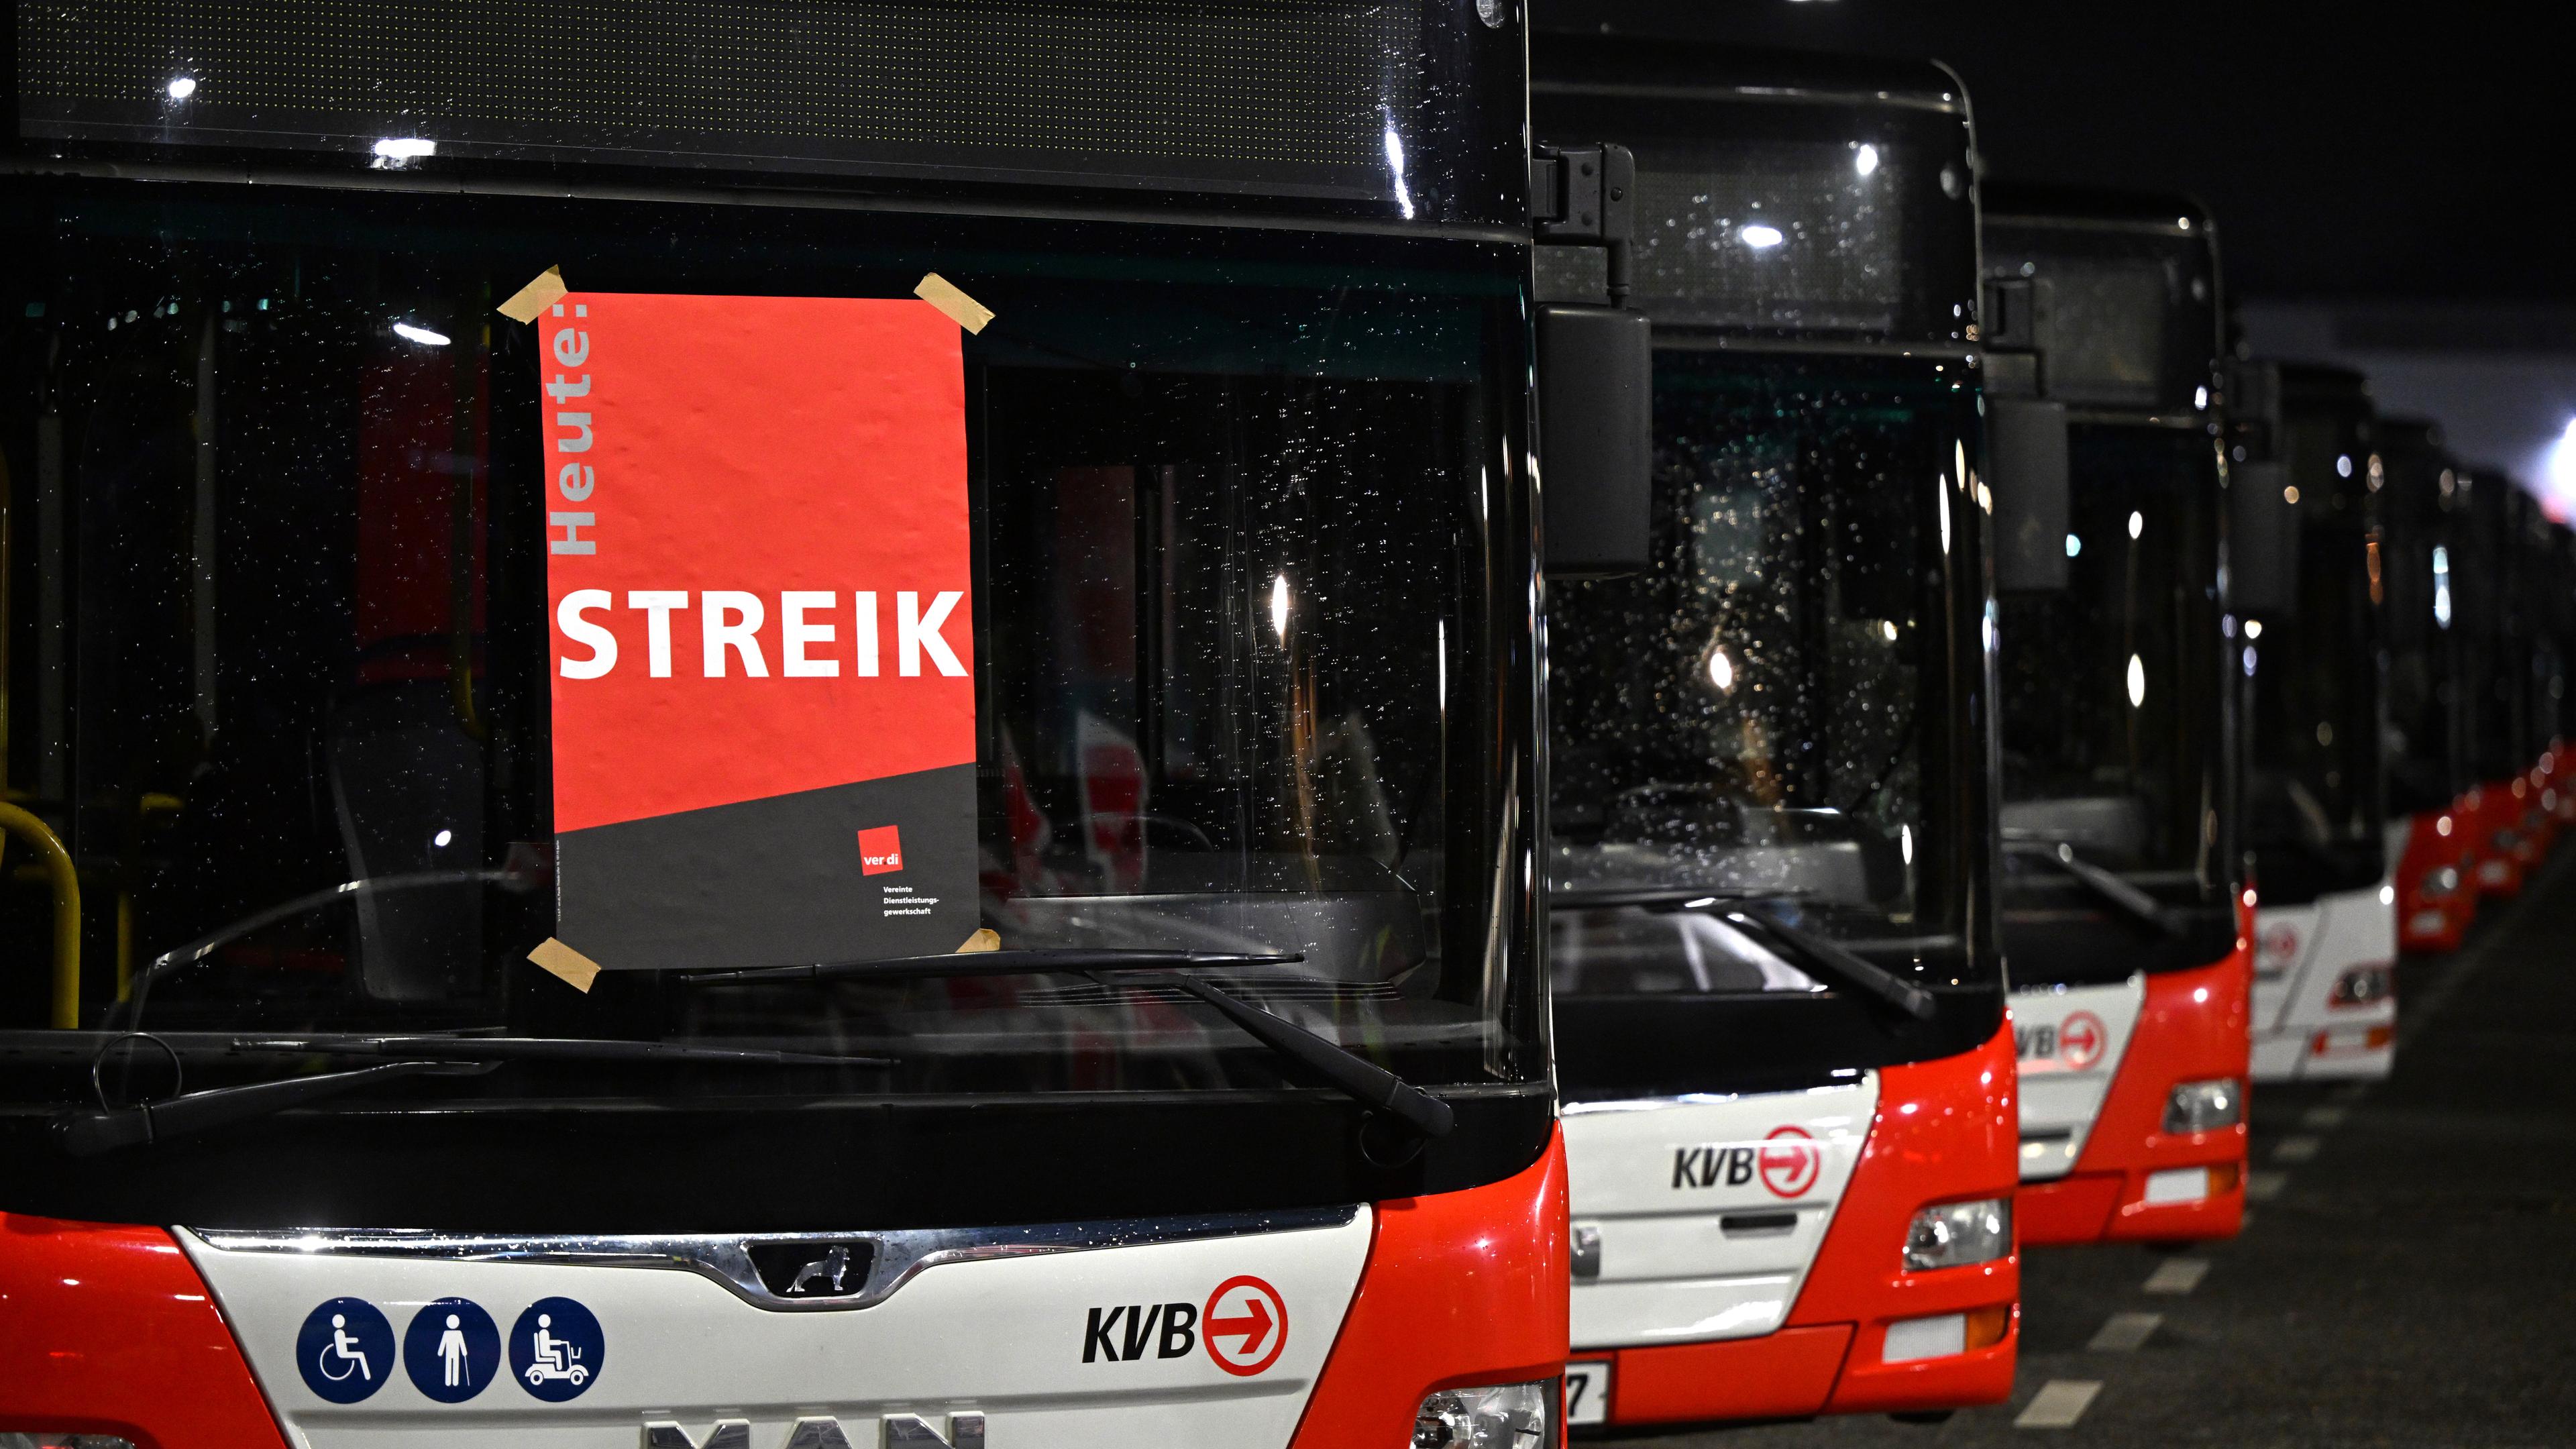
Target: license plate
pixel 1587 1393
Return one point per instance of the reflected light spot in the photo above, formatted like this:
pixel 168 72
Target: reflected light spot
pixel 443 839
pixel 1760 237
pixel 1395 164
pixel 1279 606
pixel 1905 843
pixel 1887 630
pixel 404 148
pixel 1865 160
pixel 2290 494
pixel 182 87
pixel 2200 398
pixel 2074 545
pixel 1721 669
pixel 2388 895
pixel 2343 465
pixel 2442 826
pixel 421 335
pixel 2200 994
pixel 2137 523
pixel 2253 628
pixel 2137 682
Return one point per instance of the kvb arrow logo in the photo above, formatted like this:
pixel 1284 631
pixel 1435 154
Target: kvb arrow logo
pixel 1790 1162
pixel 2079 1040
pixel 1244 1325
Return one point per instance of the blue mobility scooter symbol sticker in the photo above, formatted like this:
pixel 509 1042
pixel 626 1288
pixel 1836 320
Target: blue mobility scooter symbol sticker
pixel 451 1350
pixel 556 1349
pixel 346 1350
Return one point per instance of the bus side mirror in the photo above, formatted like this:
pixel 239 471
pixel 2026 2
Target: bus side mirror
pixel 2263 541
pixel 1596 368
pixel 2027 460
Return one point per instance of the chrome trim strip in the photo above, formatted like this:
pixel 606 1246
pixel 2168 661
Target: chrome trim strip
pixel 896 1257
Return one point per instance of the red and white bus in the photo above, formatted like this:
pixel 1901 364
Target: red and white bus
pixel 897 807
pixel 2125 914
pixel 2422 507
pixel 1789 1116
pixel 2308 562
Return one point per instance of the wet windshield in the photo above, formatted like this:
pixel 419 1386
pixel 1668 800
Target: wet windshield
pixel 1765 715
pixel 2313 801
pixel 2112 720
pixel 1242 511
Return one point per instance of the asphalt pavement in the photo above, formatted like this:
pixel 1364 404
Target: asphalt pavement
pixel 2407 1275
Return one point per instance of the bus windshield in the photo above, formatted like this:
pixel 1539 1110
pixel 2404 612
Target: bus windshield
pixel 2111 720
pixel 2314 806
pixel 1249 579
pixel 2428 765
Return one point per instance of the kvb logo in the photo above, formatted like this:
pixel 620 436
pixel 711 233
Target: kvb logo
pixel 1243 1326
pixel 2280 949
pixel 1253 1317
pixel 2080 1039
pixel 1791 1162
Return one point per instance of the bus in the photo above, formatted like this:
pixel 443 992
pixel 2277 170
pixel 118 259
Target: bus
pixel 2422 507
pixel 804 734
pixel 2506 825
pixel 1779 1011
pixel 2125 913
pixel 2308 569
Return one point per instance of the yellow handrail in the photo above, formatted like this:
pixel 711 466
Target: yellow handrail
pixel 67 930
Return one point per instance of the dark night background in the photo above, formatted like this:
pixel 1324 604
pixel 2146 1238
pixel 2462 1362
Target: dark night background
pixel 2391 186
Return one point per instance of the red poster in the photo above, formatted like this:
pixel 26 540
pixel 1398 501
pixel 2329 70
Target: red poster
pixel 758 575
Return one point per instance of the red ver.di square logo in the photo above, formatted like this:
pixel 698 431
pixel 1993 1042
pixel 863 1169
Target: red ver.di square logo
pixel 880 850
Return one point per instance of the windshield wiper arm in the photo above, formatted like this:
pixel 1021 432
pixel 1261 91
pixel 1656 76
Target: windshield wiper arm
pixel 92 1131
pixel 1349 1073
pixel 1840 964
pixel 1354 1075
pixel 1670 898
pixel 2101 882
pixel 1072 960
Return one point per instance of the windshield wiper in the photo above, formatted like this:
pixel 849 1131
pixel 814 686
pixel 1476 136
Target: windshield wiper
pixel 1074 960
pixel 1670 898
pixel 1839 964
pixel 89 1132
pixel 2103 883
pixel 1349 1073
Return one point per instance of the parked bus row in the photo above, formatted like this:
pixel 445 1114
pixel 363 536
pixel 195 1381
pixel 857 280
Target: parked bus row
pixel 1301 726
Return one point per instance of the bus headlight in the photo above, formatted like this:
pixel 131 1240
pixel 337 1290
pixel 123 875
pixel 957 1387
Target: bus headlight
pixel 2205 1106
pixel 1956 1234
pixel 1498 1416
pixel 2362 986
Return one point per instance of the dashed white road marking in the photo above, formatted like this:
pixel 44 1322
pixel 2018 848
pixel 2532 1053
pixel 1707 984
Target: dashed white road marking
pixel 2302 1148
pixel 2323 1118
pixel 2177 1275
pixel 2126 1332
pixel 2058 1404
pixel 2265 1186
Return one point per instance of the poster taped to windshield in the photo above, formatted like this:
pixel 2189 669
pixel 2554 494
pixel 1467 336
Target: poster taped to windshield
pixel 762 628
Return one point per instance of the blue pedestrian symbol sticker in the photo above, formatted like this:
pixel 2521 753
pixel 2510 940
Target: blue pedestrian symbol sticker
pixel 556 1349
pixel 451 1350
pixel 346 1350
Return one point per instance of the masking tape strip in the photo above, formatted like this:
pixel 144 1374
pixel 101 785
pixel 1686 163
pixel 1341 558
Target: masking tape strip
pixel 576 969
pixel 963 310
pixel 547 289
pixel 986 939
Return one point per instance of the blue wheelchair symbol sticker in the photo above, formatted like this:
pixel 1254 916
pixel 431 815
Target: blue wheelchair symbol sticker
pixel 451 1350
pixel 556 1349
pixel 346 1350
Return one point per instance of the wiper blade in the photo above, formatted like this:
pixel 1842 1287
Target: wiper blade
pixel 2103 883
pixel 1840 964
pixel 1349 1073
pixel 1073 961
pixel 1682 898
pixel 1355 1075
pixel 90 1132
pixel 542 1049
